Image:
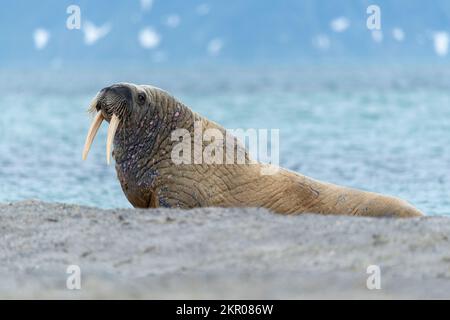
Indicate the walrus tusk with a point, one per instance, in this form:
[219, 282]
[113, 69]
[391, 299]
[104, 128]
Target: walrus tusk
[92, 133]
[113, 124]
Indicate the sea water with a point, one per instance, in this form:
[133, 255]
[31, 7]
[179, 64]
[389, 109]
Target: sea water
[380, 129]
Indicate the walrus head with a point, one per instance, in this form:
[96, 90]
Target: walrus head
[141, 119]
[119, 104]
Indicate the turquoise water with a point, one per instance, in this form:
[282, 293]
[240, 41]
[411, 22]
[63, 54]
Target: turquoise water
[381, 130]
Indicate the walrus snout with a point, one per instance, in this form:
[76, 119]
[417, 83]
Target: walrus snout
[116, 99]
[112, 104]
[121, 90]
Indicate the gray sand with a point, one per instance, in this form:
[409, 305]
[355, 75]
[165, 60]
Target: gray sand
[217, 253]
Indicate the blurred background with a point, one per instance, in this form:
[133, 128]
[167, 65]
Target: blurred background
[180, 33]
[365, 108]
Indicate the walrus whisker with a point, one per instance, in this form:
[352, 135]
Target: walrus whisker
[92, 109]
[113, 124]
[92, 133]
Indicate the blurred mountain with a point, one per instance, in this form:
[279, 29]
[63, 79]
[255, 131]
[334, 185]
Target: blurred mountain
[203, 32]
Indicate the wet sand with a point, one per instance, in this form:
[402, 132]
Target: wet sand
[217, 253]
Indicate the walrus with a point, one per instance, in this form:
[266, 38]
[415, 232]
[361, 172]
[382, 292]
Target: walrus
[142, 119]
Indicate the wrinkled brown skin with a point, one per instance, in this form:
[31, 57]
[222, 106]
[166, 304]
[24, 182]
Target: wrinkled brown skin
[149, 178]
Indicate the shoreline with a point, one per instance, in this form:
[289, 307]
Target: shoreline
[216, 253]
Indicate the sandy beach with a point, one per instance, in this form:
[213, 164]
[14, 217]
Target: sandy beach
[217, 253]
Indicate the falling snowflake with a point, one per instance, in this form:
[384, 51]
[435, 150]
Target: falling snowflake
[398, 34]
[146, 5]
[377, 36]
[441, 40]
[41, 38]
[173, 21]
[321, 42]
[149, 38]
[215, 46]
[92, 33]
[340, 24]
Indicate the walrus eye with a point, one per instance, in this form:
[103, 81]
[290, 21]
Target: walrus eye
[141, 98]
